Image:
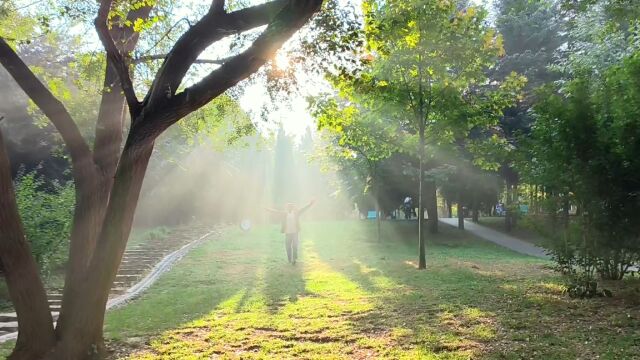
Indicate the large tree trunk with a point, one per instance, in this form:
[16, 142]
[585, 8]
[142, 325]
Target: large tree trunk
[82, 334]
[93, 194]
[35, 325]
[422, 258]
[432, 208]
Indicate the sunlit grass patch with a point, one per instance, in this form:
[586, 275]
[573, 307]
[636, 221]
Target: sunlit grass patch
[353, 297]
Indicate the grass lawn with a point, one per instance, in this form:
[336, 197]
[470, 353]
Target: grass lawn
[352, 297]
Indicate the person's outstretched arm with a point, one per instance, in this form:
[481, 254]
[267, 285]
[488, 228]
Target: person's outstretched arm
[306, 207]
[275, 211]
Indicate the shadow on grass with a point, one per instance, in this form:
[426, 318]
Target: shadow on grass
[232, 266]
[284, 282]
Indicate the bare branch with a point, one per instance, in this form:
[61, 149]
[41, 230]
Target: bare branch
[147, 58]
[48, 104]
[211, 28]
[117, 58]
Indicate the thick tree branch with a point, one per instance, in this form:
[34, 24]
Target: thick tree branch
[290, 19]
[48, 104]
[217, 6]
[211, 28]
[109, 126]
[118, 58]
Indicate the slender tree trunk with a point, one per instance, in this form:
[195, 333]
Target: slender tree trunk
[35, 325]
[554, 210]
[508, 210]
[460, 214]
[565, 210]
[534, 201]
[422, 258]
[378, 221]
[82, 335]
[516, 206]
[475, 215]
[432, 209]
[378, 212]
[449, 208]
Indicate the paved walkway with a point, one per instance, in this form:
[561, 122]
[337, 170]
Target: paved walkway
[499, 238]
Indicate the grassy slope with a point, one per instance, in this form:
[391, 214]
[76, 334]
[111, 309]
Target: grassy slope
[351, 297]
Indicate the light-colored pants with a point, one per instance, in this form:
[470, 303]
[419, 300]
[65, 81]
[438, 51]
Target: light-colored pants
[291, 242]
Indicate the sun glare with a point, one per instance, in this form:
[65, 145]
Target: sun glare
[281, 60]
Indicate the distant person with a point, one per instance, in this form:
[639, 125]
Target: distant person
[407, 207]
[290, 218]
[500, 209]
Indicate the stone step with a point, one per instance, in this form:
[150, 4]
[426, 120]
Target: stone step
[144, 251]
[132, 271]
[56, 296]
[137, 260]
[6, 317]
[9, 326]
[118, 290]
[53, 307]
[145, 255]
[55, 301]
[128, 277]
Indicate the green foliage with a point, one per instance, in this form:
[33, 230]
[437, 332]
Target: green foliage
[14, 28]
[584, 286]
[221, 123]
[418, 77]
[584, 148]
[46, 215]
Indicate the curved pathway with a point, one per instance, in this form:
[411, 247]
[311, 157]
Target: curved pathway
[499, 238]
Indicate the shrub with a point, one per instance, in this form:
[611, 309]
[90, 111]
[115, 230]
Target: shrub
[47, 213]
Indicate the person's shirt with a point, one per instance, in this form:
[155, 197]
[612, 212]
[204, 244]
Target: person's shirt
[291, 223]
